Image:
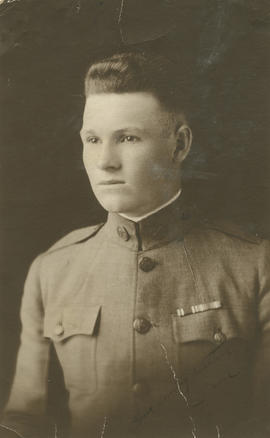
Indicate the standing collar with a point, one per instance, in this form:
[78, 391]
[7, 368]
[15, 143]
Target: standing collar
[140, 218]
[158, 229]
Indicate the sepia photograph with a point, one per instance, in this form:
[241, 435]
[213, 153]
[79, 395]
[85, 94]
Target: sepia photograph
[135, 219]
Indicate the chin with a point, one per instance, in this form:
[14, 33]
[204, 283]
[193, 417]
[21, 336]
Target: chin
[113, 205]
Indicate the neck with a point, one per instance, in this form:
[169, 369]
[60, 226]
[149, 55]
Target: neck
[160, 228]
[160, 207]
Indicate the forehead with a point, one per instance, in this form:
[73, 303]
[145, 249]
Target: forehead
[113, 109]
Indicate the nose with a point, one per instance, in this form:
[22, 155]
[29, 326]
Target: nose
[108, 158]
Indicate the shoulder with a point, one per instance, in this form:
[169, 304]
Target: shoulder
[71, 247]
[226, 239]
[232, 231]
[54, 263]
[68, 242]
[196, 220]
[75, 237]
[219, 245]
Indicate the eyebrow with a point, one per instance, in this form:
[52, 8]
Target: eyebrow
[118, 131]
[87, 131]
[130, 128]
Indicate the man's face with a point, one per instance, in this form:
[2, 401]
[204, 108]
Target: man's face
[128, 148]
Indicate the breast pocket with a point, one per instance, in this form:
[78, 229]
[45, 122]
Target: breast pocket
[213, 326]
[211, 348]
[74, 332]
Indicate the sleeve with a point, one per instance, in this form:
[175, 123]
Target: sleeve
[259, 424]
[262, 359]
[25, 413]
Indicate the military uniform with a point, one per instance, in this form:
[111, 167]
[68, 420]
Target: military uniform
[161, 329]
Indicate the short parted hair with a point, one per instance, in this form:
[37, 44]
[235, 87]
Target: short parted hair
[141, 71]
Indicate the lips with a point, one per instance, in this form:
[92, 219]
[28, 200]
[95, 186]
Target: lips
[111, 182]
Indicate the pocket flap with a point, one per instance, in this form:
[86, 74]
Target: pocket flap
[60, 324]
[214, 326]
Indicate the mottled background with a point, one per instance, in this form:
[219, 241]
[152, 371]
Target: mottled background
[45, 47]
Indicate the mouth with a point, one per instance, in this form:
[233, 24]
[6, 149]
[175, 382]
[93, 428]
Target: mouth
[110, 182]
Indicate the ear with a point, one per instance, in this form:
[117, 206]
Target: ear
[183, 136]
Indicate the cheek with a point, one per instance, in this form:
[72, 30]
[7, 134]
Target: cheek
[154, 167]
[146, 174]
[88, 159]
[85, 155]
[138, 169]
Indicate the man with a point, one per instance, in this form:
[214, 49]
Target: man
[159, 323]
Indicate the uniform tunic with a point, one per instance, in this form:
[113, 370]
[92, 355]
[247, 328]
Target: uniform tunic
[160, 329]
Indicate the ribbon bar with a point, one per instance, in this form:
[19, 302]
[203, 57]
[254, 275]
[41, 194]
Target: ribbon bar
[200, 308]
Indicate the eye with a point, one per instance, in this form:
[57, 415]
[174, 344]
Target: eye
[129, 139]
[91, 139]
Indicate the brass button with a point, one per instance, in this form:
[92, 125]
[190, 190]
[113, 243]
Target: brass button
[123, 233]
[219, 337]
[146, 264]
[59, 329]
[141, 325]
